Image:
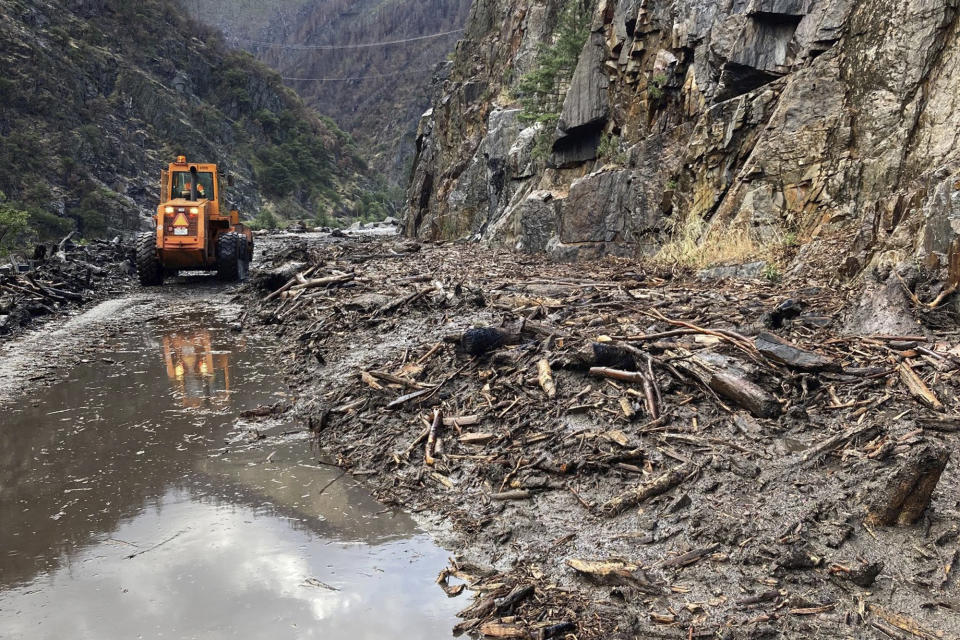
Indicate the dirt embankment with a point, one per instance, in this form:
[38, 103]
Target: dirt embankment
[620, 454]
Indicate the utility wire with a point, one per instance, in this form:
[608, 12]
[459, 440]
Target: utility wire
[381, 75]
[338, 47]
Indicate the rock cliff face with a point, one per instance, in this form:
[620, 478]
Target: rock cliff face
[96, 96]
[826, 125]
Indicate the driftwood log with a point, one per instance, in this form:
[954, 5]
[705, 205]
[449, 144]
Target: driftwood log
[645, 491]
[724, 378]
[777, 349]
[902, 497]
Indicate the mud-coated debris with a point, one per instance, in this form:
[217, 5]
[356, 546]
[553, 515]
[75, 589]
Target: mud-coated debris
[366, 302]
[612, 356]
[635, 427]
[270, 280]
[760, 598]
[639, 494]
[814, 321]
[866, 574]
[690, 557]
[477, 342]
[798, 557]
[726, 378]
[948, 536]
[519, 594]
[555, 630]
[785, 311]
[609, 572]
[71, 277]
[901, 494]
[276, 409]
[681, 503]
[781, 351]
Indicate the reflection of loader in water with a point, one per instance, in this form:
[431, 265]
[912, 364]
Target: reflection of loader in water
[201, 375]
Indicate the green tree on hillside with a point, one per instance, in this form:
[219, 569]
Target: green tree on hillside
[542, 90]
[13, 222]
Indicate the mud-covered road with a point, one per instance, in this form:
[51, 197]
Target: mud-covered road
[608, 451]
[143, 494]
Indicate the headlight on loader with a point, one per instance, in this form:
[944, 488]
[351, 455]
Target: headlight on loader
[194, 211]
[168, 210]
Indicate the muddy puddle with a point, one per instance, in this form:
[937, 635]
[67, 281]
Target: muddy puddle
[132, 506]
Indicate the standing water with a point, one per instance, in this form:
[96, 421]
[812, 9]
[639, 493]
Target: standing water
[124, 515]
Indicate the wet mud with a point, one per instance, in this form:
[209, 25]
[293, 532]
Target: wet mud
[136, 500]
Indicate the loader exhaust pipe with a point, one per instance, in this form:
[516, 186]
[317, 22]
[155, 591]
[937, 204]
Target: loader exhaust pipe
[194, 196]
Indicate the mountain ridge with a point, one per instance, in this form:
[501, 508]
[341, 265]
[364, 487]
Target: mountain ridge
[100, 94]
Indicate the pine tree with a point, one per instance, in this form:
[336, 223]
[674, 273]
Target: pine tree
[541, 92]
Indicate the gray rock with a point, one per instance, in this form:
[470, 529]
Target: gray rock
[780, 7]
[748, 271]
[538, 221]
[751, 113]
[883, 309]
[587, 104]
[502, 131]
[598, 208]
[520, 162]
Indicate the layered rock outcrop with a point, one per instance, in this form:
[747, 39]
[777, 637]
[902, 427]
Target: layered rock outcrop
[830, 122]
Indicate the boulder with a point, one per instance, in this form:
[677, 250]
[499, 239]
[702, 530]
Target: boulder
[520, 161]
[537, 221]
[598, 209]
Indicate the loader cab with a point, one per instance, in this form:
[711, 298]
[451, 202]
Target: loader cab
[194, 186]
[192, 182]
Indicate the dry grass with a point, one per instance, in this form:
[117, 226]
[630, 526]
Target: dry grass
[692, 246]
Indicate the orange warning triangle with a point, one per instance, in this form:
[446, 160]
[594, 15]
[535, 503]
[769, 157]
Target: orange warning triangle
[180, 221]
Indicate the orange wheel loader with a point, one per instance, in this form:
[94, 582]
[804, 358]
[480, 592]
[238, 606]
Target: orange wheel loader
[192, 233]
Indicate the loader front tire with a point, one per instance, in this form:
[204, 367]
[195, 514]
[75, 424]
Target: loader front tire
[149, 269]
[228, 257]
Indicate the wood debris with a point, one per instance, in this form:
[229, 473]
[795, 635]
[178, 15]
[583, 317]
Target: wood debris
[684, 431]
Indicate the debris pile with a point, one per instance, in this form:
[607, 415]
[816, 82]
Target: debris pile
[619, 452]
[71, 276]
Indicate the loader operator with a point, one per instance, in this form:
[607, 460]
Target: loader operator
[184, 187]
[185, 191]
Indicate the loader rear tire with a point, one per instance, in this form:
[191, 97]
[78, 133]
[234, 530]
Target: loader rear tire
[228, 257]
[149, 269]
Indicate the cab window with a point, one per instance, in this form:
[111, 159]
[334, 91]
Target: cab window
[183, 182]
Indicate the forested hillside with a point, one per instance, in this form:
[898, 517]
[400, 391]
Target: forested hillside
[97, 95]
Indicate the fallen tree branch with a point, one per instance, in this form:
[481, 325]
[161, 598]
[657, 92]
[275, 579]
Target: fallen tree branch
[644, 492]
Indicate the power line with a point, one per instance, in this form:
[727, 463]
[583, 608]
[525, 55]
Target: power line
[381, 75]
[338, 47]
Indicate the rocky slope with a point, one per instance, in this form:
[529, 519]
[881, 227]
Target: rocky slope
[381, 111]
[816, 132]
[98, 95]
